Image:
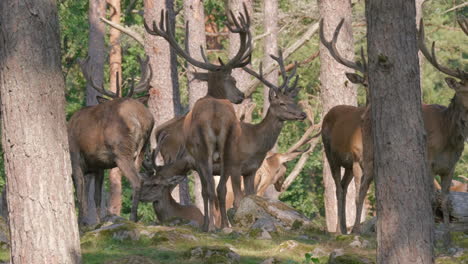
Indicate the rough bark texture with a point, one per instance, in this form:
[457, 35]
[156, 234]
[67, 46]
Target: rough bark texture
[195, 16]
[96, 52]
[164, 100]
[336, 90]
[240, 75]
[419, 14]
[42, 216]
[403, 186]
[270, 24]
[115, 66]
[97, 9]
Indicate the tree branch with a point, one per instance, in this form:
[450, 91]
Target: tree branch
[136, 36]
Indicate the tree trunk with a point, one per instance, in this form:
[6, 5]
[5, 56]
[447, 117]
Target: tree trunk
[336, 90]
[42, 218]
[403, 185]
[164, 100]
[195, 16]
[270, 24]
[115, 67]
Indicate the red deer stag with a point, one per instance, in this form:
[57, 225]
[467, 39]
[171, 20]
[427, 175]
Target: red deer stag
[207, 126]
[110, 134]
[343, 128]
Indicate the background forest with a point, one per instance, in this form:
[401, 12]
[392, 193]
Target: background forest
[295, 17]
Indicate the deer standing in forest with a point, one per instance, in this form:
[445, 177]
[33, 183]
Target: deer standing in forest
[110, 134]
[207, 126]
[346, 128]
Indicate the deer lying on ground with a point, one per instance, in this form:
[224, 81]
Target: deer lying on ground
[206, 128]
[110, 134]
[343, 130]
[158, 185]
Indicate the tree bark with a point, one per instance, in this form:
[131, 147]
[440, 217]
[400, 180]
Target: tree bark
[403, 185]
[195, 16]
[270, 24]
[115, 67]
[336, 90]
[42, 218]
[164, 100]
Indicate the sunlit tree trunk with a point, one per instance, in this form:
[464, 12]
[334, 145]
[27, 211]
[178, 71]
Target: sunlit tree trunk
[270, 42]
[42, 220]
[115, 66]
[336, 90]
[403, 186]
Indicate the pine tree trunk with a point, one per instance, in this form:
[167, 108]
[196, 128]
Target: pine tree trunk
[42, 216]
[403, 185]
[164, 100]
[195, 15]
[270, 24]
[115, 66]
[336, 90]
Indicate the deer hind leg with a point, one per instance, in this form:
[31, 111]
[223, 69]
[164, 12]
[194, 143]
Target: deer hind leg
[336, 173]
[98, 180]
[348, 176]
[446, 180]
[249, 184]
[128, 168]
[366, 180]
[80, 188]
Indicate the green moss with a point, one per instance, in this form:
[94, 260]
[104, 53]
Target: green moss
[297, 224]
[254, 233]
[351, 259]
[344, 238]
[158, 239]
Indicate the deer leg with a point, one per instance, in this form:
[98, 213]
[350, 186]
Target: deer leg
[98, 180]
[249, 184]
[336, 173]
[236, 185]
[446, 180]
[206, 220]
[348, 176]
[221, 190]
[366, 180]
[130, 172]
[79, 182]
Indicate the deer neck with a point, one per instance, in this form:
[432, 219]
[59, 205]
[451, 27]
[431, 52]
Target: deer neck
[267, 131]
[215, 90]
[457, 115]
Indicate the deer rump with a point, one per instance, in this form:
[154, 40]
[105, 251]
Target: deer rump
[104, 136]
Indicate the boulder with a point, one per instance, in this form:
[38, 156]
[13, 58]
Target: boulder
[340, 258]
[266, 213]
[213, 255]
[271, 261]
[131, 260]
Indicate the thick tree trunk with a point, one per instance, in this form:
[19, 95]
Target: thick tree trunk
[96, 52]
[164, 100]
[115, 66]
[403, 185]
[270, 42]
[195, 16]
[42, 216]
[336, 90]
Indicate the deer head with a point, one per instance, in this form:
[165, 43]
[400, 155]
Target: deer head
[221, 84]
[142, 86]
[282, 103]
[460, 87]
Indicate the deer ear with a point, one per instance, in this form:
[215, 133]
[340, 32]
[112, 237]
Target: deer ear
[143, 99]
[355, 78]
[272, 94]
[101, 99]
[202, 76]
[452, 83]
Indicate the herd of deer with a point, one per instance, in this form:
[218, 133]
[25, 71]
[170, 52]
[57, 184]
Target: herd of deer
[211, 140]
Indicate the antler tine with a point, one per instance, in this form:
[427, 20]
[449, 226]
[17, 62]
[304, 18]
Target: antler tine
[146, 76]
[165, 31]
[431, 57]
[463, 22]
[331, 46]
[84, 64]
[286, 78]
[161, 138]
[260, 77]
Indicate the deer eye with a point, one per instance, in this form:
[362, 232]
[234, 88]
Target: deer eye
[282, 104]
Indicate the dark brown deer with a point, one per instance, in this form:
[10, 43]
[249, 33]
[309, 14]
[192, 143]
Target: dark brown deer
[110, 134]
[207, 126]
[344, 126]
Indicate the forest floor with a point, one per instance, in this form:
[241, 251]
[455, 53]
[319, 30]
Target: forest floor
[126, 242]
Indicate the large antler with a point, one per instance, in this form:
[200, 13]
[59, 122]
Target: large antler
[241, 26]
[285, 87]
[431, 57]
[142, 86]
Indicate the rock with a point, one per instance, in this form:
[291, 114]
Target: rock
[368, 227]
[270, 261]
[340, 258]
[319, 252]
[358, 242]
[131, 260]
[214, 255]
[271, 211]
[265, 235]
[287, 245]
[227, 230]
[267, 224]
